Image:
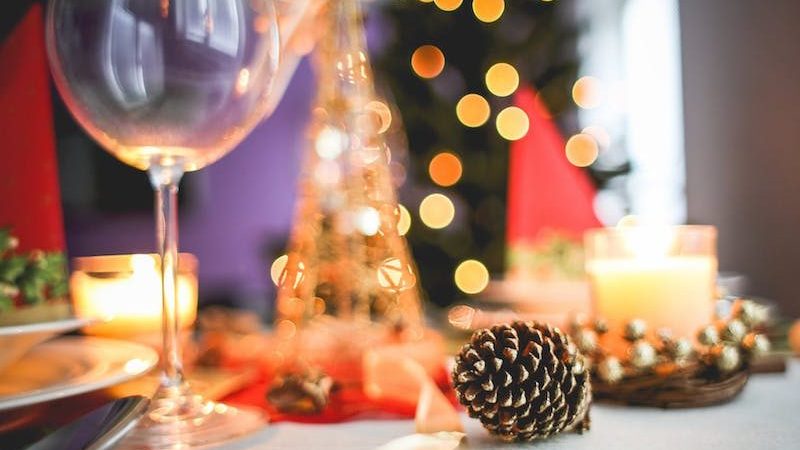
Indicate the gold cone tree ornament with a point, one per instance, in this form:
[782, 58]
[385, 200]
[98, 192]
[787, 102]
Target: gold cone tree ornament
[348, 267]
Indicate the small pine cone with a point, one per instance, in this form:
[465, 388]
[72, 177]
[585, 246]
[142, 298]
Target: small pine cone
[523, 381]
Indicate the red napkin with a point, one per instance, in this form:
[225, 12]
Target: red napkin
[545, 192]
[347, 403]
[29, 194]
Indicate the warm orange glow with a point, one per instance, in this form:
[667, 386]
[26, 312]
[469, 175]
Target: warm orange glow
[581, 150]
[404, 224]
[448, 5]
[473, 110]
[427, 61]
[488, 10]
[436, 211]
[471, 276]
[445, 169]
[587, 92]
[129, 294]
[512, 123]
[502, 79]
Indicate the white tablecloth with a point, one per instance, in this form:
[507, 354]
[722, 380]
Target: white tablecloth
[765, 416]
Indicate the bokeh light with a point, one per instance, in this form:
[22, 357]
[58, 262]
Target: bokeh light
[330, 142]
[512, 123]
[631, 220]
[396, 275]
[404, 224]
[382, 113]
[277, 269]
[581, 150]
[368, 221]
[473, 110]
[599, 134]
[281, 272]
[427, 61]
[488, 10]
[445, 169]
[448, 5]
[436, 211]
[587, 92]
[502, 79]
[285, 329]
[471, 276]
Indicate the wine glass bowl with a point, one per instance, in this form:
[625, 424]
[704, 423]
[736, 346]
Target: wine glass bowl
[176, 82]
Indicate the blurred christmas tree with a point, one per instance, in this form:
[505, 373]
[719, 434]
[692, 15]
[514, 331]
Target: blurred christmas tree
[437, 55]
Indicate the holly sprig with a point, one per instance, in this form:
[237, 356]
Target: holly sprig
[29, 278]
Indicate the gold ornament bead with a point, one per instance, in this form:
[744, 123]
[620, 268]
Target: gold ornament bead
[635, 330]
[734, 331]
[586, 340]
[726, 357]
[577, 323]
[681, 349]
[610, 370]
[755, 344]
[708, 335]
[642, 355]
[600, 326]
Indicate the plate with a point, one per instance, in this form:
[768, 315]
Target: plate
[16, 340]
[72, 365]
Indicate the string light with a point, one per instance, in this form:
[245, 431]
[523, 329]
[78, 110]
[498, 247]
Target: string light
[471, 276]
[436, 211]
[404, 224]
[502, 79]
[277, 268]
[473, 110]
[488, 10]
[445, 169]
[447, 5]
[581, 150]
[512, 123]
[587, 92]
[427, 61]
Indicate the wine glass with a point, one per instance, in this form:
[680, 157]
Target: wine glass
[168, 87]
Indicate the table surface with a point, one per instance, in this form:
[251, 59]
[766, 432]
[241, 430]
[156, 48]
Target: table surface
[765, 416]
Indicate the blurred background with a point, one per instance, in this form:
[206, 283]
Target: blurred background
[676, 111]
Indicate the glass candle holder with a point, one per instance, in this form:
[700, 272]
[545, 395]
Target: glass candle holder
[125, 291]
[665, 276]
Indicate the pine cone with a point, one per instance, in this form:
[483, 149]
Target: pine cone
[524, 381]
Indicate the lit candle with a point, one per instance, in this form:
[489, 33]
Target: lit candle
[664, 276]
[126, 291]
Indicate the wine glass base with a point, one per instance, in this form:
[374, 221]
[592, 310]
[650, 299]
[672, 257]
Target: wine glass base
[179, 419]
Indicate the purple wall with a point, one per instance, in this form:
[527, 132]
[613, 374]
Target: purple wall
[243, 206]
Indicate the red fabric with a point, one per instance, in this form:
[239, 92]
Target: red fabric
[347, 403]
[29, 194]
[545, 192]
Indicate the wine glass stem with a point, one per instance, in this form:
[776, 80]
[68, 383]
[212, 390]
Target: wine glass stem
[164, 180]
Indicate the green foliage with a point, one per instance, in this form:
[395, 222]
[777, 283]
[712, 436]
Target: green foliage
[536, 39]
[30, 278]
